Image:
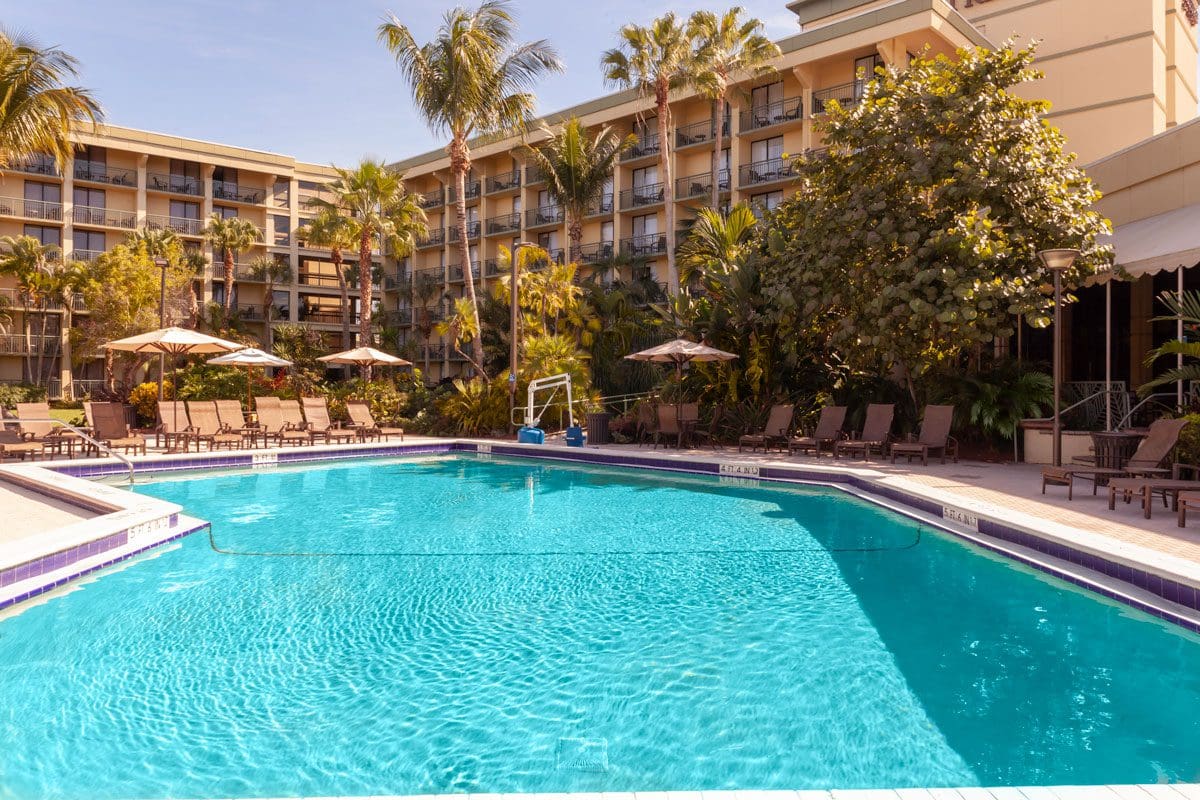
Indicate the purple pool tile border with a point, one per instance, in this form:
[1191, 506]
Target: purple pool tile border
[1150, 582]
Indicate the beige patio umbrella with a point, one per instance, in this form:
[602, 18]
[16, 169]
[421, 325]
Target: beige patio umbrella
[248, 358]
[365, 357]
[680, 352]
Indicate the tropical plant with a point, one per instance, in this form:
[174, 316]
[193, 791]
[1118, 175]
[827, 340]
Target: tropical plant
[991, 403]
[64, 282]
[379, 212]
[37, 109]
[333, 229]
[144, 399]
[727, 48]
[656, 60]
[577, 168]
[471, 80]
[1183, 308]
[28, 261]
[271, 270]
[230, 236]
[714, 244]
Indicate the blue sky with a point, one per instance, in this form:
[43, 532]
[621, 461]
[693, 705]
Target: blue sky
[305, 79]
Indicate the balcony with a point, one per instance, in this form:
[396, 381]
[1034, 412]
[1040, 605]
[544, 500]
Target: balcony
[789, 109]
[456, 272]
[641, 196]
[504, 182]
[84, 255]
[97, 172]
[699, 186]
[647, 145]
[325, 316]
[847, 94]
[30, 209]
[504, 223]
[103, 217]
[554, 255]
[184, 226]
[35, 165]
[602, 207]
[395, 281]
[491, 268]
[544, 216]
[320, 279]
[648, 244]
[472, 191]
[473, 227]
[432, 199]
[434, 237]
[534, 175]
[595, 252]
[699, 133]
[15, 344]
[232, 192]
[175, 184]
[773, 170]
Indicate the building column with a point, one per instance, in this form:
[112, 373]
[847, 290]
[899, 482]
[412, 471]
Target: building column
[808, 80]
[206, 210]
[293, 210]
[140, 203]
[68, 207]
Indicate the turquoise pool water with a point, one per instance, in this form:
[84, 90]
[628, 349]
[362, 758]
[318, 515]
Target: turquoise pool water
[466, 625]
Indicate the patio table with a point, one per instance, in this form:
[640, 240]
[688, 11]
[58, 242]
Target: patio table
[1113, 449]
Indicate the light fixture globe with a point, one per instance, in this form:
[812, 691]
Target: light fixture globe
[1058, 259]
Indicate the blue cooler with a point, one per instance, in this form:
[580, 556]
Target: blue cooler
[574, 436]
[529, 435]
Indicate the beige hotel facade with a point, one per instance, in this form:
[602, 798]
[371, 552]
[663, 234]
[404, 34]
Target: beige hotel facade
[1117, 72]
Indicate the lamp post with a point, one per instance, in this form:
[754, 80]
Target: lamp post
[162, 264]
[514, 305]
[1058, 261]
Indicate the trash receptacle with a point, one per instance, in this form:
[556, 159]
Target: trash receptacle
[597, 428]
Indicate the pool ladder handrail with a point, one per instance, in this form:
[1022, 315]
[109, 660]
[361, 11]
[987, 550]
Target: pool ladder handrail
[100, 446]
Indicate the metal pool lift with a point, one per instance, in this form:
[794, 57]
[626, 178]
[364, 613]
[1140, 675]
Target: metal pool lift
[530, 433]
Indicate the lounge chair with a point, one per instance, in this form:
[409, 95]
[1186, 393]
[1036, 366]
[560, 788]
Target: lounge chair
[647, 423]
[361, 419]
[207, 426]
[316, 419]
[1184, 501]
[233, 420]
[113, 430]
[875, 435]
[174, 426]
[828, 431]
[711, 434]
[775, 432]
[934, 438]
[273, 424]
[1147, 461]
[36, 427]
[1146, 488]
[13, 446]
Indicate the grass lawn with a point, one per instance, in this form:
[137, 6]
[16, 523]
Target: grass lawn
[72, 415]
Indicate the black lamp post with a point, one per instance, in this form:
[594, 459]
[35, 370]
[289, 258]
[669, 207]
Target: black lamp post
[1058, 261]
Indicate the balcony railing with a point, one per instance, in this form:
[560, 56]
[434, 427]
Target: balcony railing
[504, 181]
[472, 191]
[846, 94]
[788, 109]
[648, 195]
[228, 190]
[491, 268]
[434, 237]
[16, 344]
[692, 186]
[184, 226]
[648, 244]
[97, 172]
[456, 272]
[543, 216]
[594, 252]
[177, 184]
[84, 255]
[325, 316]
[601, 207]
[647, 145]
[35, 165]
[317, 279]
[770, 171]
[432, 199]
[104, 217]
[534, 175]
[504, 223]
[18, 299]
[31, 209]
[473, 228]
[253, 312]
[394, 281]
[699, 133]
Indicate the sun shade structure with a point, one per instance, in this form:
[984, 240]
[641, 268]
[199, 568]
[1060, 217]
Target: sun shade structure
[679, 352]
[365, 357]
[248, 358]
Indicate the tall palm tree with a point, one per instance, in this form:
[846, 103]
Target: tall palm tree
[65, 281]
[727, 47]
[577, 168]
[656, 60]
[230, 236]
[271, 271]
[333, 229]
[37, 109]
[27, 260]
[380, 212]
[470, 80]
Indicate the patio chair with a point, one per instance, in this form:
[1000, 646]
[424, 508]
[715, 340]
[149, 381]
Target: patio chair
[667, 424]
[364, 422]
[174, 426]
[775, 432]
[207, 426]
[712, 433]
[1169, 489]
[113, 430]
[934, 438]
[12, 445]
[275, 426]
[316, 419]
[233, 420]
[36, 427]
[647, 423]
[828, 431]
[876, 433]
[1147, 461]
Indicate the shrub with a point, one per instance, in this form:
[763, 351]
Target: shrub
[144, 399]
[13, 393]
[1188, 451]
[477, 407]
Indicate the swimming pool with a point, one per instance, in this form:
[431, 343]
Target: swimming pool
[463, 624]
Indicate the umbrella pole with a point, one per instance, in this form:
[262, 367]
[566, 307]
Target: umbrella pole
[679, 404]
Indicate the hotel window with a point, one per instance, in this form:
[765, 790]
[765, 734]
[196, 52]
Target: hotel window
[185, 169]
[43, 192]
[864, 70]
[766, 149]
[225, 212]
[548, 241]
[90, 240]
[218, 292]
[182, 209]
[544, 200]
[92, 153]
[767, 201]
[766, 95]
[92, 198]
[44, 234]
[517, 204]
[282, 190]
[645, 225]
[606, 231]
[282, 228]
[646, 188]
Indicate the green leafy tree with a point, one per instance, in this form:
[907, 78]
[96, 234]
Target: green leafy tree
[335, 230]
[271, 271]
[230, 236]
[64, 282]
[472, 79]
[728, 48]
[915, 236]
[577, 168]
[28, 262]
[656, 60]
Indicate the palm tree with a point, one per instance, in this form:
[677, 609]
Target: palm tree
[270, 270]
[333, 229]
[28, 261]
[378, 210]
[37, 111]
[656, 60]
[230, 236]
[470, 80]
[577, 168]
[727, 46]
[715, 241]
[64, 281]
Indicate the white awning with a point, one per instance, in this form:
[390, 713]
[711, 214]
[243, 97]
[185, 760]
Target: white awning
[1162, 242]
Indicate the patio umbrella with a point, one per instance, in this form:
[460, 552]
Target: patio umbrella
[365, 357]
[250, 357]
[679, 352]
[176, 342]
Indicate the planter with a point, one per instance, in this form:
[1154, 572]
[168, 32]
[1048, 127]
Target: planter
[1039, 443]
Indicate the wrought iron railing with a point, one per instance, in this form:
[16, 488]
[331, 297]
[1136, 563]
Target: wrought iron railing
[648, 244]
[98, 172]
[771, 170]
[504, 181]
[504, 223]
[788, 109]
[176, 184]
[543, 216]
[639, 196]
[700, 185]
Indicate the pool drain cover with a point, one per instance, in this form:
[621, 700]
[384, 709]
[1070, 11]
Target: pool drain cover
[583, 755]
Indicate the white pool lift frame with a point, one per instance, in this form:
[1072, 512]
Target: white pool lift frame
[553, 384]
